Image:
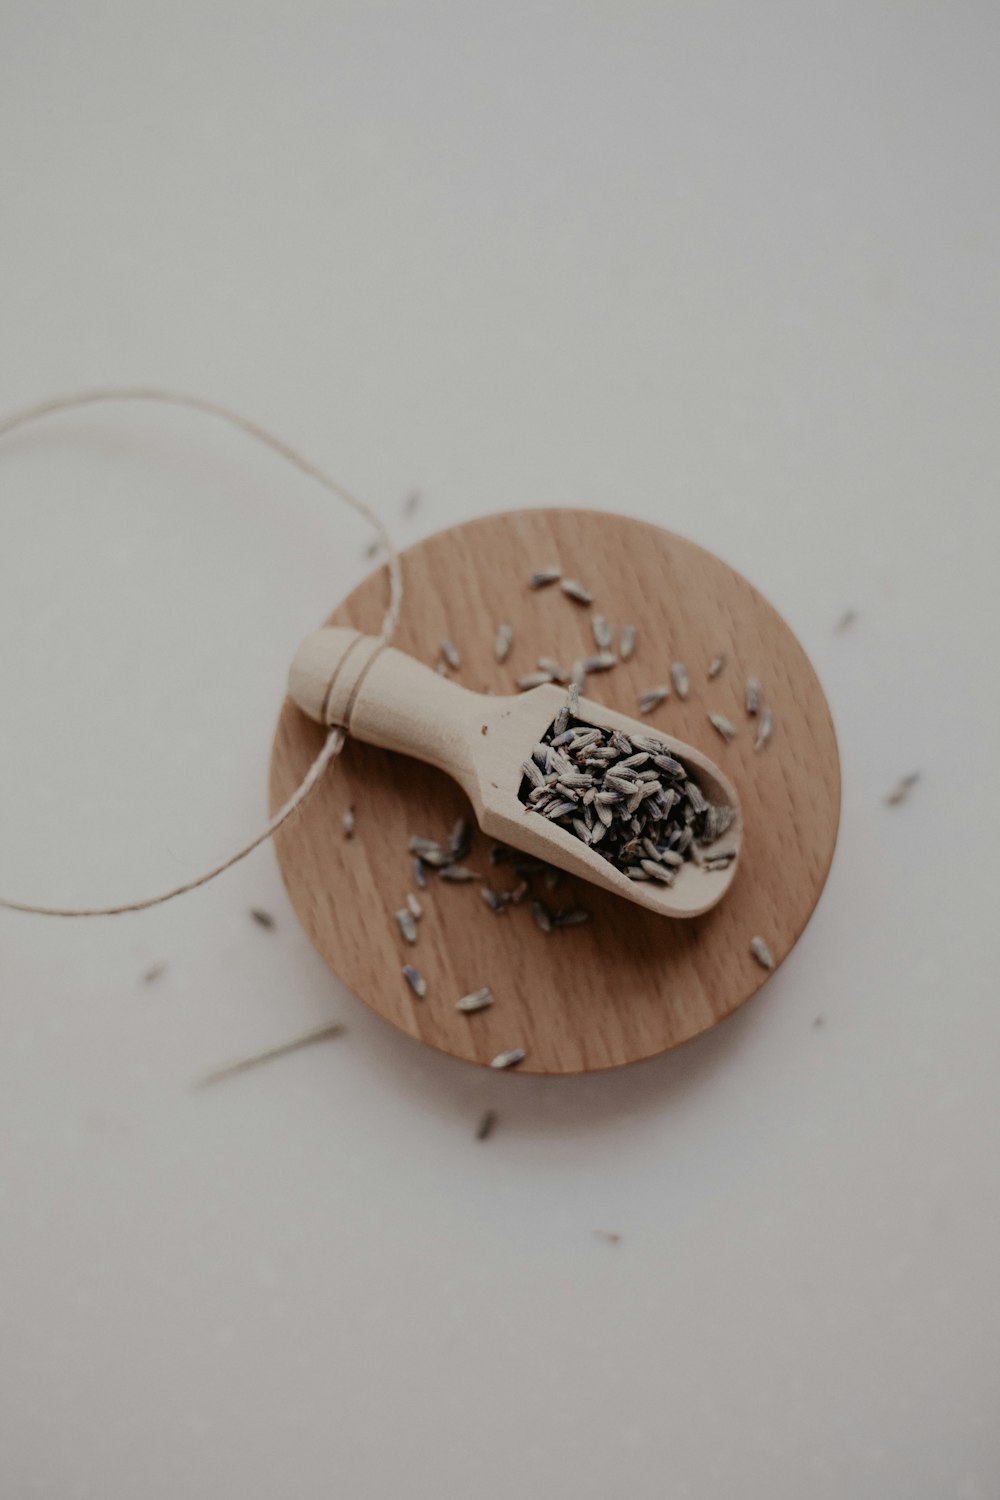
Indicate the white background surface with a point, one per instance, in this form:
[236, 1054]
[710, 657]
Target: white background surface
[728, 267]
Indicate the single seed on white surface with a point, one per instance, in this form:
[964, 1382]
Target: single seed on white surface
[902, 789]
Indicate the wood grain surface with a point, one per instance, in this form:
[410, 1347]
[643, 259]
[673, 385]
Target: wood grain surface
[629, 984]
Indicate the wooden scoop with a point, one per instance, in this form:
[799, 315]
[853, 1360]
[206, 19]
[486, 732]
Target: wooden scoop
[391, 700]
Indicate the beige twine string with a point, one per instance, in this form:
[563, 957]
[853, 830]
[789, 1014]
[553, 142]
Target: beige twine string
[335, 740]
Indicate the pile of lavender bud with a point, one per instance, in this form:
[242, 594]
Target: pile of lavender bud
[626, 797]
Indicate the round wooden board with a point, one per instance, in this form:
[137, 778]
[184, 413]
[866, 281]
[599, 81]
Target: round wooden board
[630, 984]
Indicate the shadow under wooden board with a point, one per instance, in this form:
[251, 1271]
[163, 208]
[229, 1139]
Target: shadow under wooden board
[629, 984]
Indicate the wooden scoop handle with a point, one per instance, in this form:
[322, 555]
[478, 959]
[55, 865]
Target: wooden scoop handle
[480, 740]
[386, 698]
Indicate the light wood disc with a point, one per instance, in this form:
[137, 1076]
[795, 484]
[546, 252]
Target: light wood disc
[630, 984]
